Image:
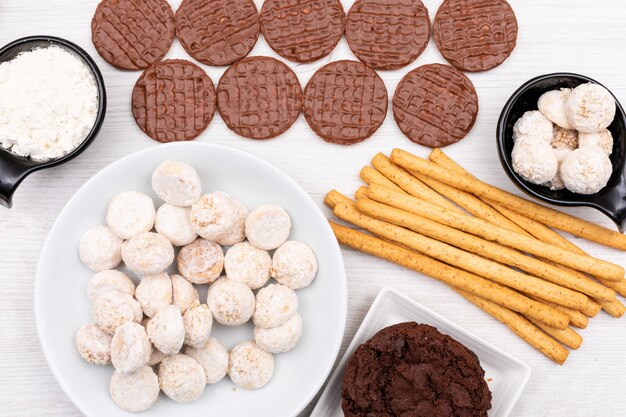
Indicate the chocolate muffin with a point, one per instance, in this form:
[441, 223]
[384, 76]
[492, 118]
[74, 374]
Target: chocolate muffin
[411, 369]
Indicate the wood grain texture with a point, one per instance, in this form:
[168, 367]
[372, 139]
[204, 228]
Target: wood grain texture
[555, 35]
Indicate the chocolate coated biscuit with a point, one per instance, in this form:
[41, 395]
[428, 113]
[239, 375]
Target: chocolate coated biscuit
[173, 100]
[345, 102]
[302, 30]
[387, 34]
[259, 97]
[475, 35]
[217, 32]
[435, 105]
[132, 34]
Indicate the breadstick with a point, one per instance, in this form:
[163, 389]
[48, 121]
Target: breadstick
[334, 197]
[576, 318]
[361, 192]
[370, 176]
[448, 274]
[591, 309]
[498, 234]
[568, 337]
[409, 183]
[525, 283]
[537, 212]
[522, 327]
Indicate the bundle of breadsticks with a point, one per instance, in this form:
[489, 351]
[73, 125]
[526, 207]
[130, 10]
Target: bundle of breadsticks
[497, 250]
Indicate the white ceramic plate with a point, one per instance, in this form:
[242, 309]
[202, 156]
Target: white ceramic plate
[62, 306]
[506, 376]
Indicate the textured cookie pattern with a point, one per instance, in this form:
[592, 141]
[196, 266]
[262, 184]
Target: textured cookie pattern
[217, 32]
[173, 100]
[435, 105]
[132, 34]
[302, 30]
[345, 102]
[387, 34]
[259, 97]
[475, 35]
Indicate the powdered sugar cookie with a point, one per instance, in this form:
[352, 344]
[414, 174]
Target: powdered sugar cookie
[534, 161]
[94, 344]
[275, 305]
[148, 254]
[231, 302]
[294, 265]
[154, 292]
[590, 108]
[181, 378]
[177, 183]
[174, 223]
[268, 227]
[201, 261]
[109, 280]
[100, 249]
[237, 232]
[184, 295]
[248, 264]
[250, 366]
[602, 139]
[198, 322]
[279, 339]
[135, 392]
[166, 330]
[535, 124]
[564, 139]
[114, 308]
[130, 347]
[586, 170]
[213, 358]
[130, 213]
[214, 215]
[552, 105]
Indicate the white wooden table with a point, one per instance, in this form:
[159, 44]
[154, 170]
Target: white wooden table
[555, 35]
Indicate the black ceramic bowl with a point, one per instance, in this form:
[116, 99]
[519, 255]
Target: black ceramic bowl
[611, 200]
[13, 168]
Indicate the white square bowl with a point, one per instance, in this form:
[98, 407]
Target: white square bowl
[505, 375]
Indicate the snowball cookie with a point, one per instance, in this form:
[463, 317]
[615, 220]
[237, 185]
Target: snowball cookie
[166, 330]
[586, 170]
[100, 249]
[268, 227]
[174, 223]
[130, 213]
[552, 106]
[237, 233]
[534, 161]
[245, 263]
[114, 308]
[154, 292]
[213, 358]
[176, 183]
[201, 261]
[590, 108]
[94, 344]
[564, 139]
[198, 321]
[181, 378]
[279, 339]
[110, 280]
[602, 139]
[214, 215]
[250, 366]
[275, 305]
[294, 265]
[135, 392]
[130, 347]
[533, 123]
[148, 254]
[184, 295]
[231, 302]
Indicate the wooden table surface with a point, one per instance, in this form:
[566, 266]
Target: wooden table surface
[555, 35]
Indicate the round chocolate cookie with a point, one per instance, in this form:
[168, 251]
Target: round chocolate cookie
[132, 34]
[435, 105]
[475, 35]
[217, 32]
[302, 30]
[259, 97]
[345, 102]
[411, 369]
[387, 34]
[173, 100]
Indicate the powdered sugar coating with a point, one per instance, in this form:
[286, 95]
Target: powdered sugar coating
[279, 339]
[201, 261]
[237, 232]
[248, 264]
[100, 249]
[109, 280]
[181, 378]
[564, 139]
[590, 108]
[213, 215]
[166, 330]
[534, 161]
[268, 226]
[602, 139]
[250, 366]
[130, 347]
[130, 213]
[184, 295]
[213, 358]
[552, 105]
[135, 392]
[231, 302]
[174, 223]
[154, 292]
[114, 308]
[533, 123]
[177, 183]
[275, 305]
[586, 170]
[148, 254]
[557, 182]
[198, 322]
[94, 344]
[294, 265]
[156, 357]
